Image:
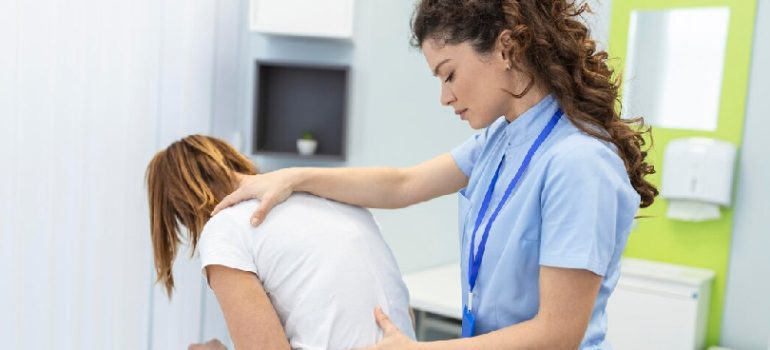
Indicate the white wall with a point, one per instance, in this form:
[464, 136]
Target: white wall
[89, 91]
[746, 320]
[599, 21]
[186, 84]
[399, 121]
[78, 125]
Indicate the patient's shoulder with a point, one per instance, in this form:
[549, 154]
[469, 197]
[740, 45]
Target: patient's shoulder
[229, 222]
[234, 215]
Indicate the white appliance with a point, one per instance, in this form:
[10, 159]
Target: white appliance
[659, 306]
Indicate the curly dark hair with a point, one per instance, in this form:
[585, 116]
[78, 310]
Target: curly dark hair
[550, 42]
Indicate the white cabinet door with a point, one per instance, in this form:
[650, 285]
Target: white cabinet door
[312, 18]
[642, 319]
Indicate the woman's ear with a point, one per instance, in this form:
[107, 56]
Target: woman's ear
[503, 46]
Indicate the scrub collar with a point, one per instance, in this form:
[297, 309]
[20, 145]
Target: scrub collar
[531, 122]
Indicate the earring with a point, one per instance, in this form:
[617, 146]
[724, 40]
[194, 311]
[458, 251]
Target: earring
[508, 64]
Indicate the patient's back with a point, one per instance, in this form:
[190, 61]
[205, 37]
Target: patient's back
[324, 265]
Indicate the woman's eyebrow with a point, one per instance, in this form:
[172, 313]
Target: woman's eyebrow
[435, 70]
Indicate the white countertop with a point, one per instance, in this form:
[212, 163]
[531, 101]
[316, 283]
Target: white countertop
[436, 290]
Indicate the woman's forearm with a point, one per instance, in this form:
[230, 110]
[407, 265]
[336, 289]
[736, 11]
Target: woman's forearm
[532, 334]
[567, 299]
[382, 187]
[375, 187]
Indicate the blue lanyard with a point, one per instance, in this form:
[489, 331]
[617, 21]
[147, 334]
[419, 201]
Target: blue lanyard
[475, 262]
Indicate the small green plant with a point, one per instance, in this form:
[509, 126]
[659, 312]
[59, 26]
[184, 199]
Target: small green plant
[307, 135]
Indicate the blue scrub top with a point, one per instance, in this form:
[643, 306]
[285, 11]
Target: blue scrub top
[573, 208]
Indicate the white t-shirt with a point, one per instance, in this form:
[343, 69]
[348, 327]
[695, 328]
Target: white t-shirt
[323, 264]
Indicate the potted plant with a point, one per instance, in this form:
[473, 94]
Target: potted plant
[307, 144]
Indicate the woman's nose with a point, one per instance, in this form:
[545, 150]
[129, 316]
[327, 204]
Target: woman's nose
[447, 97]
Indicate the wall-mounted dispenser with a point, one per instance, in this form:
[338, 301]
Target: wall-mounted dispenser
[697, 178]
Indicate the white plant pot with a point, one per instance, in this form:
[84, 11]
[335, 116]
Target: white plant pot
[306, 147]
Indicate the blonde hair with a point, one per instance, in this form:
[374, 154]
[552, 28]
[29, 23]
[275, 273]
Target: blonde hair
[184, 183]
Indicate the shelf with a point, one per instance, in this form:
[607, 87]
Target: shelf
[295, 155]
[291, 99]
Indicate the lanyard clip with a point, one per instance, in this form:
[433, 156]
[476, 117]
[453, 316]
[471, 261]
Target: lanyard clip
[470, 301]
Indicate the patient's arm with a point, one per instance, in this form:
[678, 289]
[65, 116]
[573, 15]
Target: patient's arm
[251, 319]
[213, 344]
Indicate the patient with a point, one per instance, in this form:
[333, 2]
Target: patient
[307, 278]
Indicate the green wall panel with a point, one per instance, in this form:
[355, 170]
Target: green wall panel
[704, 244]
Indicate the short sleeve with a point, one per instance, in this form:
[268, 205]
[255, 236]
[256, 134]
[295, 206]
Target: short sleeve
[467, 153]
[586, 201]
[223, 243]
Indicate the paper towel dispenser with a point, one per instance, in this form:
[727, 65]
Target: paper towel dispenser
[698, 177]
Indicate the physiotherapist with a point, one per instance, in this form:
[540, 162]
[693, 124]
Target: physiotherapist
[548, 189]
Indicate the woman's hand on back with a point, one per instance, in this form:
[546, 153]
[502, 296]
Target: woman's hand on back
[392, 338]
[270, 188]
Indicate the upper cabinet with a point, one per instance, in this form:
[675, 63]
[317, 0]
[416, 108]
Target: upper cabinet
[307, 18]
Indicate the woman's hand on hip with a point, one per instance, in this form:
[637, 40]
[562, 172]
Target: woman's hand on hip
[270, 188]
[392, 336]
